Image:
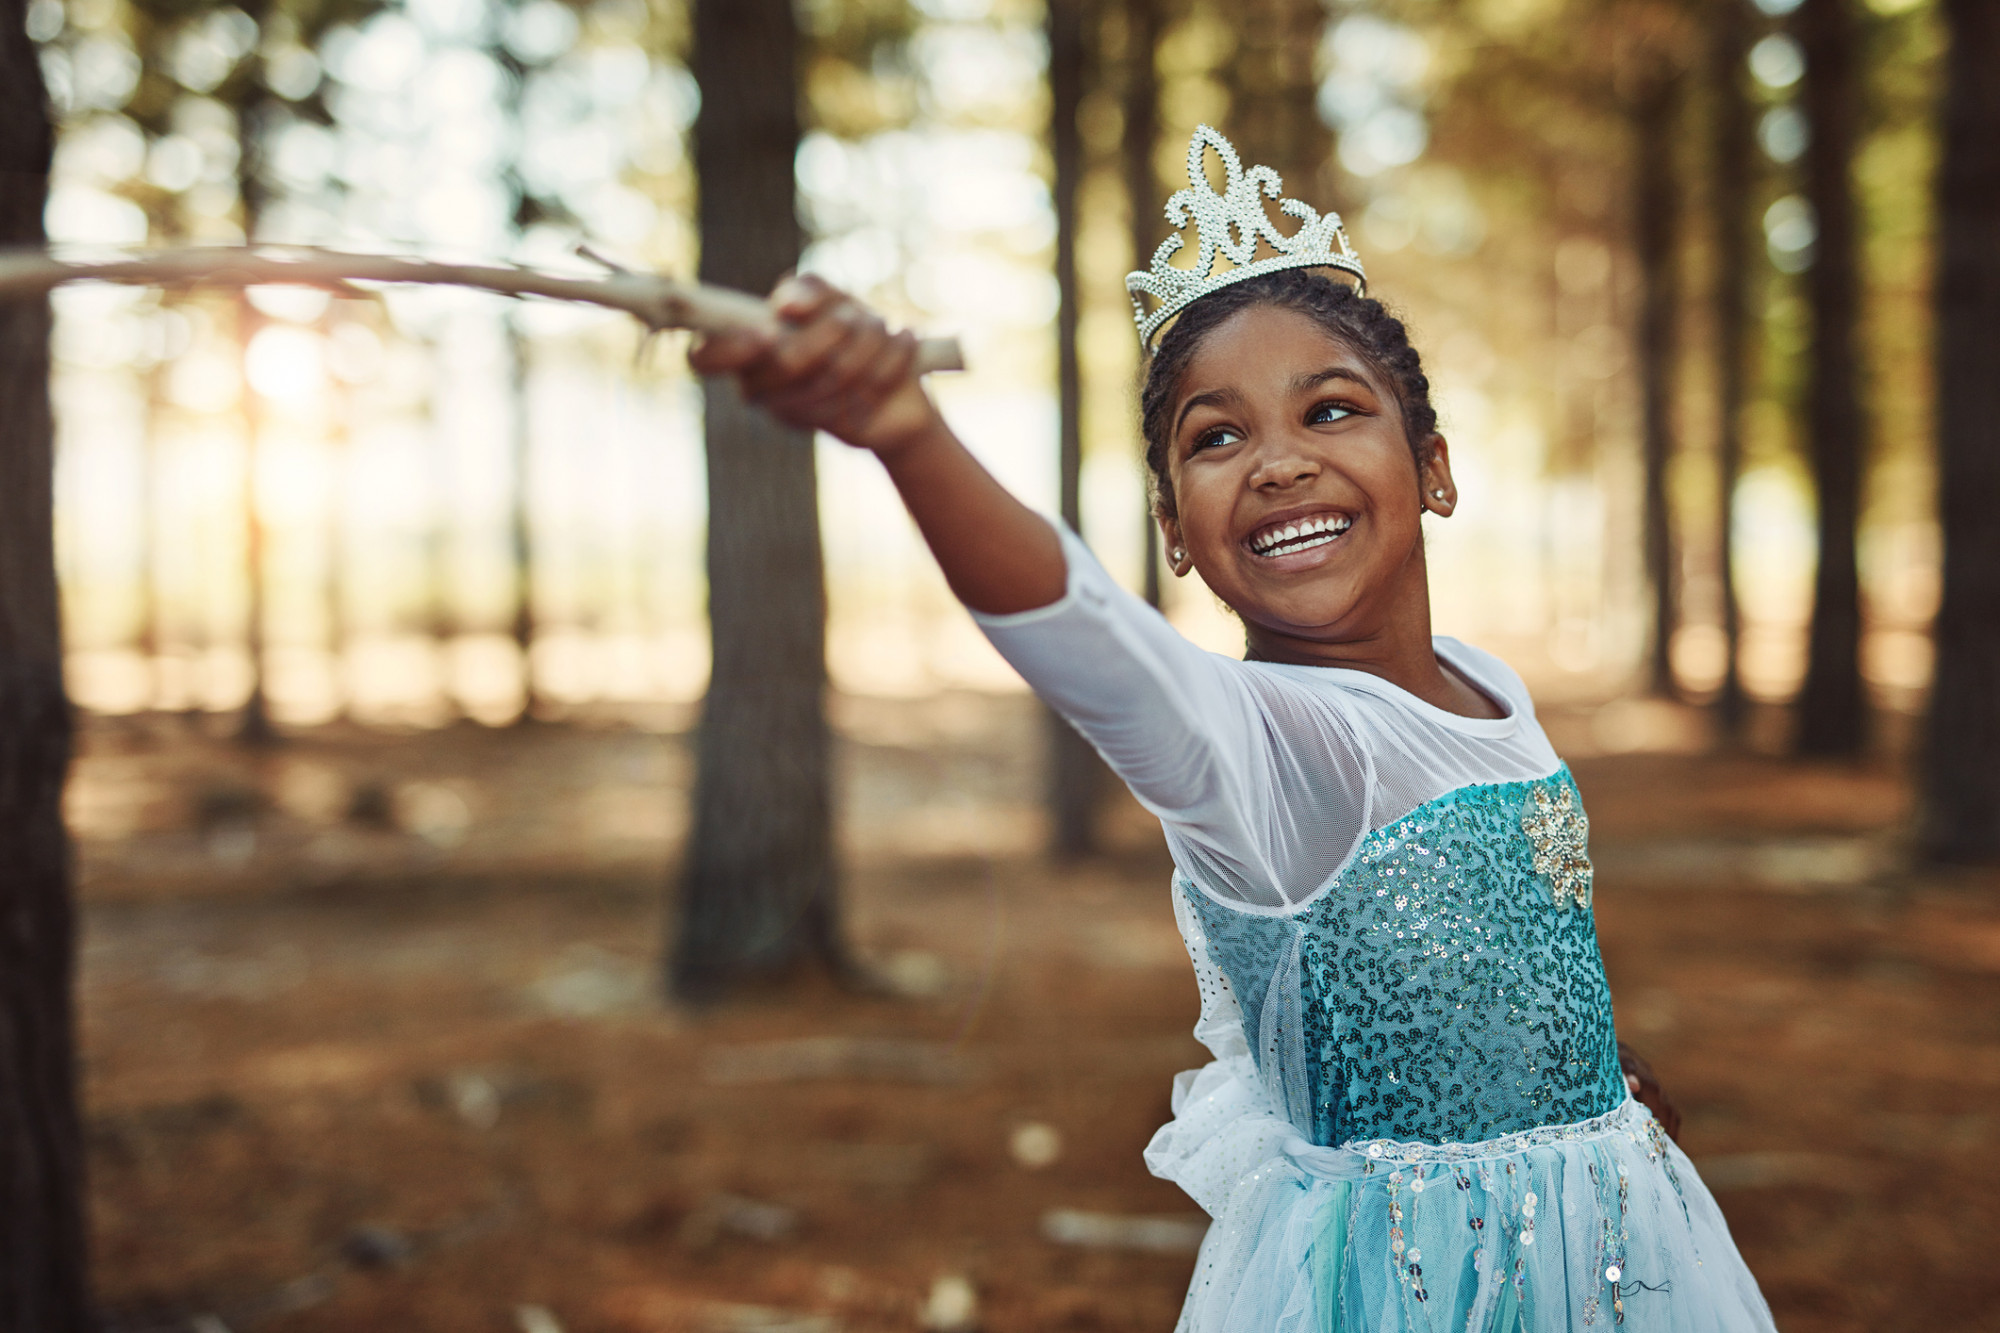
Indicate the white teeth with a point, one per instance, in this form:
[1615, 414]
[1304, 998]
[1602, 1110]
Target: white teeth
[1302, 536]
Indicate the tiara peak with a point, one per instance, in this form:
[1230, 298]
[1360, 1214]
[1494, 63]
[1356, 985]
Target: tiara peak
[1229, 225]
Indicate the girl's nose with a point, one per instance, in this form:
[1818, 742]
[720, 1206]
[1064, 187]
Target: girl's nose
[1281, 467]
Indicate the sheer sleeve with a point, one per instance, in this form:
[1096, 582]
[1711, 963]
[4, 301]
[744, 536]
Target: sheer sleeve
[1260, 784]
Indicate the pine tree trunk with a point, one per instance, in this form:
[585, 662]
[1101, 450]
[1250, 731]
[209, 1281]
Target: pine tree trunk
[520, 441]
[43, 1282]
[1731, 165]
[1654, 200]
[1141, 105]
[1273, 111]
[758, 891]
[254, 728]
[1075, 774]
[1961, 775]
[1832, 706]
[520, 517]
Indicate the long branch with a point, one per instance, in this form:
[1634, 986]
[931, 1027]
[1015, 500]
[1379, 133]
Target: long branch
[655, 301]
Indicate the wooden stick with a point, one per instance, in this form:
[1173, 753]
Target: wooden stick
[655, 301]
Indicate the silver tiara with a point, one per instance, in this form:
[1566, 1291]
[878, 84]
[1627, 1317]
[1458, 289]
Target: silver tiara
[1230, 224]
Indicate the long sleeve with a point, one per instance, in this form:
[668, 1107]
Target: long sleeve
[1259, 782]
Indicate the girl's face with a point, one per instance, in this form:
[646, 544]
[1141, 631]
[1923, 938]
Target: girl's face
[1297, 496]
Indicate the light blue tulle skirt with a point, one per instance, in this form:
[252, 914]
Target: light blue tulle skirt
[1601, 1224]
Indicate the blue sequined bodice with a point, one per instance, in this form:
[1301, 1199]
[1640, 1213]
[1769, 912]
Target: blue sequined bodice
[1447, 986]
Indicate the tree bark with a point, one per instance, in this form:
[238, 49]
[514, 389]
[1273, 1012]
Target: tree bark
[1075, 773]
[1731, 165]
[43, 1271]
[1655, 199]
[758, 890]
[1144, 199]
[254, 728]
[1273, 111]
[1961, 772]
[520, 517]
[520, 443]
[1832, 706]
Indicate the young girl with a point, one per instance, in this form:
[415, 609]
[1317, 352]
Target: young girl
[1415, 1118]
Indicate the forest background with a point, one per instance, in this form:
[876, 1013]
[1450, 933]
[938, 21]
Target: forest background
[355, 587]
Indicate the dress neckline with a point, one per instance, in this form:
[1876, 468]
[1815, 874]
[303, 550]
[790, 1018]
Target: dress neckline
[1453, 655]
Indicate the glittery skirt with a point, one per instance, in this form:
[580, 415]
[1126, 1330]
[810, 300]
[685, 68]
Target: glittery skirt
[1598, 1224]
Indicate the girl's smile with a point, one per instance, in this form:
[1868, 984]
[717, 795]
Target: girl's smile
[1295, 534]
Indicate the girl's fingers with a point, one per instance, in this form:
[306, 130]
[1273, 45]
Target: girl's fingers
[891, 366]
[727, 353]
[847, 365]
[799, 297]
[797, 301]
[799, 355]
[896, 362]
[831, 365]
[870, 402]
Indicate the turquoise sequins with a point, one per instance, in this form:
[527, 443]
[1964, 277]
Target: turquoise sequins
[1449, 987]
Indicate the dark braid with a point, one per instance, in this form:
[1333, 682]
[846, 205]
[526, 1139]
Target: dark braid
[1361, 322]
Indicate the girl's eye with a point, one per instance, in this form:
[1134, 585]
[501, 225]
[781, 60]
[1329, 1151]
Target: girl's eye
[1221, 435]
[1325, 413]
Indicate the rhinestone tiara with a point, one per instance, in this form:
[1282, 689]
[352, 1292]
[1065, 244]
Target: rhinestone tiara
[1229, 225]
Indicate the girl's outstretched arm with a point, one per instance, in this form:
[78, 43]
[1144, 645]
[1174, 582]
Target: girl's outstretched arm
[834, 366]
[1186, 729]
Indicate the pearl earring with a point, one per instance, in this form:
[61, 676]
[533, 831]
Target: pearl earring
[1437, 495]
[1177, 555]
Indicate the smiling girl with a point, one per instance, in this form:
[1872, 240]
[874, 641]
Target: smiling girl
[1415, 1118]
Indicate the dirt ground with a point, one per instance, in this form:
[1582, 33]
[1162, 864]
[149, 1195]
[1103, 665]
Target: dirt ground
[372, 1039]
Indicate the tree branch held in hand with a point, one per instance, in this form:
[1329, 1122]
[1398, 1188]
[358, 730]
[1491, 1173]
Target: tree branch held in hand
[657, 302]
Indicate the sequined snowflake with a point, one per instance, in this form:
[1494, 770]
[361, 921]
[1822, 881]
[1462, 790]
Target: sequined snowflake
[1555, 823]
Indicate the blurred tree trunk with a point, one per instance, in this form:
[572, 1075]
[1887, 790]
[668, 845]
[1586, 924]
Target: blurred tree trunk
[758, 890]
[1961, 776]
[43, 1276]
[520, 518]
[1273, 106]
[255, 726]
[1144, 201]
[1075, 774]
[1655, 198]
[1832, 705]
[1732, 162]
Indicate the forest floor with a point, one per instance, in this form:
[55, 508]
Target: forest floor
[372, 1039]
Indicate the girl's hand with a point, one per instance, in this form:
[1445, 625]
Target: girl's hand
[832, 365]
[1645, 1086]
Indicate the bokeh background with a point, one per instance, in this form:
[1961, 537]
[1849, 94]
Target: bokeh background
[387, 619]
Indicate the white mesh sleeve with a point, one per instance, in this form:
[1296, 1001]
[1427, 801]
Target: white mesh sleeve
[1257, 778]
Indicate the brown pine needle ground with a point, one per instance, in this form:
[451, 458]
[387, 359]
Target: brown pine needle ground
[372, 1039]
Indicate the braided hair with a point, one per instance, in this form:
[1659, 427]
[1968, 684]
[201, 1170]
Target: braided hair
[1360, 322]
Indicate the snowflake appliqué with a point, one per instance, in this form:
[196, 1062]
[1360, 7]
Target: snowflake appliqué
[1555, 823]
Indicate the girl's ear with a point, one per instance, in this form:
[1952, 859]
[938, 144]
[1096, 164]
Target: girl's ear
[1178, 558]
[1440, 493]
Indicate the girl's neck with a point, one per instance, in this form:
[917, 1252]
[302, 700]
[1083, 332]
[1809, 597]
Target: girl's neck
[1401, 654]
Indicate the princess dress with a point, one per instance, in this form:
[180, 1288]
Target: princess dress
[1415, 1119]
